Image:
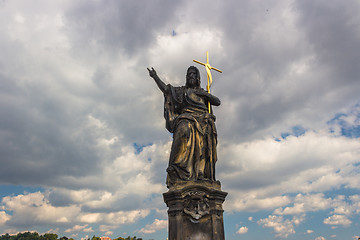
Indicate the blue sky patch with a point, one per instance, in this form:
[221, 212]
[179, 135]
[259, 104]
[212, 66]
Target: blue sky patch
[296, 131]
[14, 190]
[349, 123]
[140, 147]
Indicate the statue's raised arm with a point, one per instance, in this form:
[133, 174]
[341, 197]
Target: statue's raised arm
[158, 81]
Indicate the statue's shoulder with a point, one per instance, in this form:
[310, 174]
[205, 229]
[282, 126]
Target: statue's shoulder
[175, 91]
[179, 88]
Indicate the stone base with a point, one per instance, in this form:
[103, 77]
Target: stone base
[195, 211]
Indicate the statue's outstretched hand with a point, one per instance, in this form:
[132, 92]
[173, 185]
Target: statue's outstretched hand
[158, 81]
[152, 72]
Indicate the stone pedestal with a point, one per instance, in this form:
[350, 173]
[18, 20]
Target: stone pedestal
[195, 211]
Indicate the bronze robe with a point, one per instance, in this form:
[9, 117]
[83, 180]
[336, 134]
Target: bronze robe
[193, 151]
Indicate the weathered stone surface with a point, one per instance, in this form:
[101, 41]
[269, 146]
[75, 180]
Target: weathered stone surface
[195, 211]
[194, 198]
[188, 115]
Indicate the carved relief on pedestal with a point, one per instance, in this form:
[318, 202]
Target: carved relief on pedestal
[196, 205]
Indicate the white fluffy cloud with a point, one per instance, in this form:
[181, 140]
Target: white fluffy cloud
[303, 204]
[4, 217]
[306, 203]
[76, 228]
[337, 220]
[35, 208]
[242, 230]
[115, 218]
[282, 227]
[268, 169]
[155, 226]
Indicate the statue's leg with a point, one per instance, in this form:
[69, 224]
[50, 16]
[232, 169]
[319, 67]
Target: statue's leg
[209, 154]
[200, 154]
[182, 151]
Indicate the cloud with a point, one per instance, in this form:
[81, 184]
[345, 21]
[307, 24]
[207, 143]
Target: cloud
[56, 231]
[306, 203]
[346, 123]
[337, 220]
[311, 203]
[129, 35]
[282, 227]
[268, 170]
[4, 217]
[88, 229]
[254, 204]
[77, 228]
[76, 98]
[33, 209]
[155, 226]
[119, 217]
[325, 40]
[242, 230]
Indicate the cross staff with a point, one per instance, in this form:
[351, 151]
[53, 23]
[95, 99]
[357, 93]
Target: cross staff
[209, 77]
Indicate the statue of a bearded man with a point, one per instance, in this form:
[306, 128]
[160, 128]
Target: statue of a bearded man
[193, 151]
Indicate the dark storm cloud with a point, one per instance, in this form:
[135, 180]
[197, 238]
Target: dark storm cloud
[127, 203]
[37, 121]
[46, 135]
[119, 26]
[124, 203]
[263, 45]
[36, 146]
[333, 29]
[260, 43]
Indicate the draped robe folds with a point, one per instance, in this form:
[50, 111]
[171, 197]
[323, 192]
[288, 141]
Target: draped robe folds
[193, 151]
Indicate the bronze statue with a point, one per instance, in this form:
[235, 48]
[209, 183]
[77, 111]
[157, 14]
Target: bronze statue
[193, 151]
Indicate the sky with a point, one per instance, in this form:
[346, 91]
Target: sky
[83, 144]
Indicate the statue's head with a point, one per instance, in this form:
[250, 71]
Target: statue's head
[192, 77]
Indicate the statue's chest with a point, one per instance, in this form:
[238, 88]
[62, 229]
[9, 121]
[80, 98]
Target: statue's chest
[195, 98]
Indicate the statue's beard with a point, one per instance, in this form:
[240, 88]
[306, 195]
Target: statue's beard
[192, 82]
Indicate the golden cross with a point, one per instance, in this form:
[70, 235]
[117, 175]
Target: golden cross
[209, 77]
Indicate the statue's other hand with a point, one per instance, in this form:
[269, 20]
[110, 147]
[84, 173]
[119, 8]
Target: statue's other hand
[152, 72]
